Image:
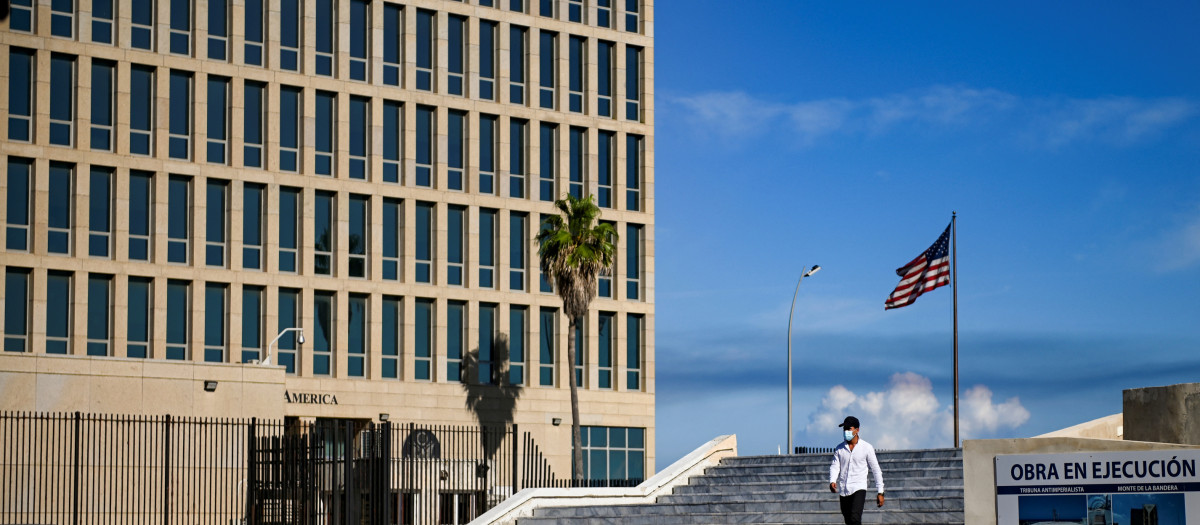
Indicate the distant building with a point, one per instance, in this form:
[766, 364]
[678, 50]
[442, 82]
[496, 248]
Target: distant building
[1147, 515]
[188, 179]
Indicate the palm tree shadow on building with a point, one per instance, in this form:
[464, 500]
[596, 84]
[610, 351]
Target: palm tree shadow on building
[490, 396]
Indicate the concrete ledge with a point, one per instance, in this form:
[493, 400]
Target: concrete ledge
[525, 502]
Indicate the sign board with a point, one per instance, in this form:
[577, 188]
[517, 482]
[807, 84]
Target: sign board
[1099, 488]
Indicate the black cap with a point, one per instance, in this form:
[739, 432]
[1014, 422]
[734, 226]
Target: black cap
[850, 422]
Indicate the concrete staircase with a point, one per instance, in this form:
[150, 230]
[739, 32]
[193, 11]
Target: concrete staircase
[923, 487]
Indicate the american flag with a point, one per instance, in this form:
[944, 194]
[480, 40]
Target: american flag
[928, 271]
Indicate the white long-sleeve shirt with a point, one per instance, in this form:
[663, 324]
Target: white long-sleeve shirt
[849, 468]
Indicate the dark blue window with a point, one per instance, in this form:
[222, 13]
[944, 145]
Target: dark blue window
[178, 312]
[215, 222]
[604, 13]
[393, 29]
[548, 155]
[516, 345]
[289, 128]
[358, 242]
[20, 94]
[323, 233]
[604, 359]
[218, 119]
[487, 248]
[392, 136]
[58, 230]
[633, 83]
[546, 8]
[16, 310]
[100, 212]
[391, 337]
[575, 75]
[141, 110]
[214, 323]
[580, 346]
[456, 150]
[631, 16]
[62, 99]
[516, 5]
[289, 317]
[253, 121]
[252, 325]
[62, 18]
[455, 339]
[455, 222]
[137, 332]
[20, 15]
[575, 10]
[547, 58]
[356, 337]
[425, 140]
[98, 318]
[289, 35]
[180, 131]
[518, 129]
[326, 130]
[424, 339]
[546, 343]
[178, 225]
[289, 229]
[606, 154]
[516, 65]
[487, 59]
[218, 29]
[425, 45]
[360, 112]
[633, 353]
[140, 196]
[487, 338]
[326, 22]
[633, 260]
[18, 204]
[252, 225]
[58, 299]
[487, 154]
[578, 143]
[544, 284]
[103, 93]
[633, 172]
[255, 32]
[518, 244]
[424, 242]
[323, 327]
[604, 78]
[360, 33]
[456, 55]
[391, 239]
[181, 27]
[141, 31]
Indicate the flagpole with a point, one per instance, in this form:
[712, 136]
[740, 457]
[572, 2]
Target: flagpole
[954, 288]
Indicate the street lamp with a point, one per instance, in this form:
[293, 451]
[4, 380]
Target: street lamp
[814, 269]
[267, 360]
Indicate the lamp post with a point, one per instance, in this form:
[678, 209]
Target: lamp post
[814, 269]
[267, 360]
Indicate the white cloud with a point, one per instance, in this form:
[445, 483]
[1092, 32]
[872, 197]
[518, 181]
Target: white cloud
[908, 415]
[1044, 121]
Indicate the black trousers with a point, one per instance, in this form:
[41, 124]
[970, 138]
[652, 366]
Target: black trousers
[852, 507]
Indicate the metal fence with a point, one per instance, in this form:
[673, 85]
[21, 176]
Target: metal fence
[85, 468]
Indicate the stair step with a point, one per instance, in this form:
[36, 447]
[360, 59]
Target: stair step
[726, 476]
[829, 504]
[781, 495]
[869, 516]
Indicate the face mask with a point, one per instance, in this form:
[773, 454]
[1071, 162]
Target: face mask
[849, 435]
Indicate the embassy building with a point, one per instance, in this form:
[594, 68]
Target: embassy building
[325, 210]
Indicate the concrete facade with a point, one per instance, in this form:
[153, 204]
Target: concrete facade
[618, 375]
[1163, 413]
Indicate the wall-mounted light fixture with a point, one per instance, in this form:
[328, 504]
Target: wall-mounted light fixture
[556, 421]
[210, 386]
[383, 417]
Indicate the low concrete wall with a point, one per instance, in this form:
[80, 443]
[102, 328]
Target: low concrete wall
[1107, 427]
[979, 474]
[1161, 413]
[524, 503]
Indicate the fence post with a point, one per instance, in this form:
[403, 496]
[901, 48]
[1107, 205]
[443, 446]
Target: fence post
[75, 484]
[515, 452]
[167, 470]
[251, 471]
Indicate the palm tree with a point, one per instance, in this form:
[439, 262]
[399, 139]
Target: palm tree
[574, 249]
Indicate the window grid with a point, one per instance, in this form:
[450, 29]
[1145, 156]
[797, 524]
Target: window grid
[16, 310]
[290, 30]
[633, 172]
[633, 352]
[356, 347]
[62, 18]
[517, 318]
[606, 158]
[324, 241]
[103, 104]
[254, 121]
[548, 165]
[218, 119]
[326, 22]
[456, 149]
[218, 29]
[633, 259]
[61, 208]
[360, 39]
[215, 338]
[487, 59]
[393, 320]
[518, 246]
[289, 128]
[179, 144]
[424, 232]
[140, 317]
[487, 248]
[100, 212]
[575, 11]
[289, 229]
[360, 238]
[324, 306]
[181, 27]
[141, 212]
[456, 59]
[632, 14]
[252, 323]
[253, 220]
[426, 138]
[426, 33]
[455, 244]
[326, 124]
[604, 13]
[178, 219]
[216, 223]
[21, 15]
[19, 204]
[633, 83]
[393, 138]
[178, 318]
[255, 34]
[423, 353]
[487, 154]
[58, 300]
[141, 116]
[21, 73]
[548, 69]
[578, 161]
[575, 82]
[392, 241]
[611, 453]
[604, 80]
[516, 64]
[456, 337]
[393, 51]
[141, 25]
[518, 140]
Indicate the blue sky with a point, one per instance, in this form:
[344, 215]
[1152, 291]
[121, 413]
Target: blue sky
[1067, 137]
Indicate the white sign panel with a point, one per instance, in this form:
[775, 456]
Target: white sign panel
[1102, 488]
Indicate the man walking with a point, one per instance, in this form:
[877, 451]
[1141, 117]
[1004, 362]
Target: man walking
[848, 472]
